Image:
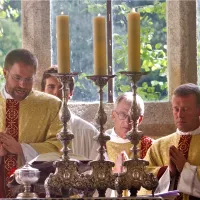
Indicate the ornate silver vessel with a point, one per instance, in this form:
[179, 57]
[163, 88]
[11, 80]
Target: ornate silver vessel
[27, 176]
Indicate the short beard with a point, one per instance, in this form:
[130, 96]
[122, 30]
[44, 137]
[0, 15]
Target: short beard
[13, 93]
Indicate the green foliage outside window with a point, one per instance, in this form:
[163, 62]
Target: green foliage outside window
[1, 77]
[153, 45]
[152, 87]
[10, 30]
[153, 51]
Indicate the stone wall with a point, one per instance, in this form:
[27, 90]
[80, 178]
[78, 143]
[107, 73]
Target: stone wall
[158, 120]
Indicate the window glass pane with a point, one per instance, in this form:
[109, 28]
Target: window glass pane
[152, 86]
[10, 30]
[153, 44]
[198, 39]
[81, 13]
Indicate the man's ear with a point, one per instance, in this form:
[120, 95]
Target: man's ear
[140, 119]
[5, 72]
[113, 115]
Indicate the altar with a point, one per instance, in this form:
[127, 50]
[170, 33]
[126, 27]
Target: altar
[107, 198]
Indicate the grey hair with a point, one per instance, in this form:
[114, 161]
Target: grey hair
[128, 97]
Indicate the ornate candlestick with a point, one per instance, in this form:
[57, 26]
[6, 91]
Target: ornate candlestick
[102, 176]
[135, 175]
[66, 175]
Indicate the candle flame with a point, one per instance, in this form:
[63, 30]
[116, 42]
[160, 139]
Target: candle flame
[99, 15]
[133, 9]
[62, 13]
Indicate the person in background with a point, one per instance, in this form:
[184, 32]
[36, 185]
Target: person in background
[84, 142]
[29, 119]
[175, 158]
[118, 147]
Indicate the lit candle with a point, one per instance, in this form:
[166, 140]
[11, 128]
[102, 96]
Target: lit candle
[99, 45]
[63, 49]
[134, 41]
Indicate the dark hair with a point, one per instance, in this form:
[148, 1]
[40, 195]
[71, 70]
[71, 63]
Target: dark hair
[188, 89]
[47, 74]
[20, 55]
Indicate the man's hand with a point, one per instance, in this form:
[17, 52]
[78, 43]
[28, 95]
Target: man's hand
[10, 144]
[172, 168]
[3, 151]
[119, 162]
[176, 158]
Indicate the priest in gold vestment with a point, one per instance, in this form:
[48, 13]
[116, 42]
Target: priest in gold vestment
[118, 147]
[175, 158]
[28, 119]
[38, 123]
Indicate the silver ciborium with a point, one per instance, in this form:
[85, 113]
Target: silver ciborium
[27, 176]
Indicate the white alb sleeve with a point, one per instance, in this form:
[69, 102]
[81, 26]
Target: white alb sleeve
[164, 182]
[189, 181]
[29, 152]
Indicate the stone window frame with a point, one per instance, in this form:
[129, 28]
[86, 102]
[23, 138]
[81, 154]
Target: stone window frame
[182, 58]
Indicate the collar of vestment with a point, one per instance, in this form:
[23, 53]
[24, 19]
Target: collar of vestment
[5, 94]
[194, 132]
[115, 138]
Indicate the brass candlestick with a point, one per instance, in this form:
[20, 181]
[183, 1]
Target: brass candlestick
[66, 175]
[102, 176]
[135, 176]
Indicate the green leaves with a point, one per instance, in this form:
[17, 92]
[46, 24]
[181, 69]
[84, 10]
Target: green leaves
[1, 78]
[153, 86]
[10, 31]
[125, 88]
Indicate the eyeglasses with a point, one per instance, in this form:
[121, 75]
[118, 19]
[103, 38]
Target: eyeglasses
[18, 78]
[122, 116]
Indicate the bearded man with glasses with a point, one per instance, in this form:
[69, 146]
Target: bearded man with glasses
[29, 119]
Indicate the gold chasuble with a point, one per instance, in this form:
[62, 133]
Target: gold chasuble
[38, 122]
[116, 145]
[158, 154]
[114, 148]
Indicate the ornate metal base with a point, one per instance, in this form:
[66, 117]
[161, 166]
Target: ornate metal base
[27, 195]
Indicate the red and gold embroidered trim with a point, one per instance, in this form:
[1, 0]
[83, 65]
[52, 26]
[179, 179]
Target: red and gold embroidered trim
[12, 120]
[146, 142]
[184, 144]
